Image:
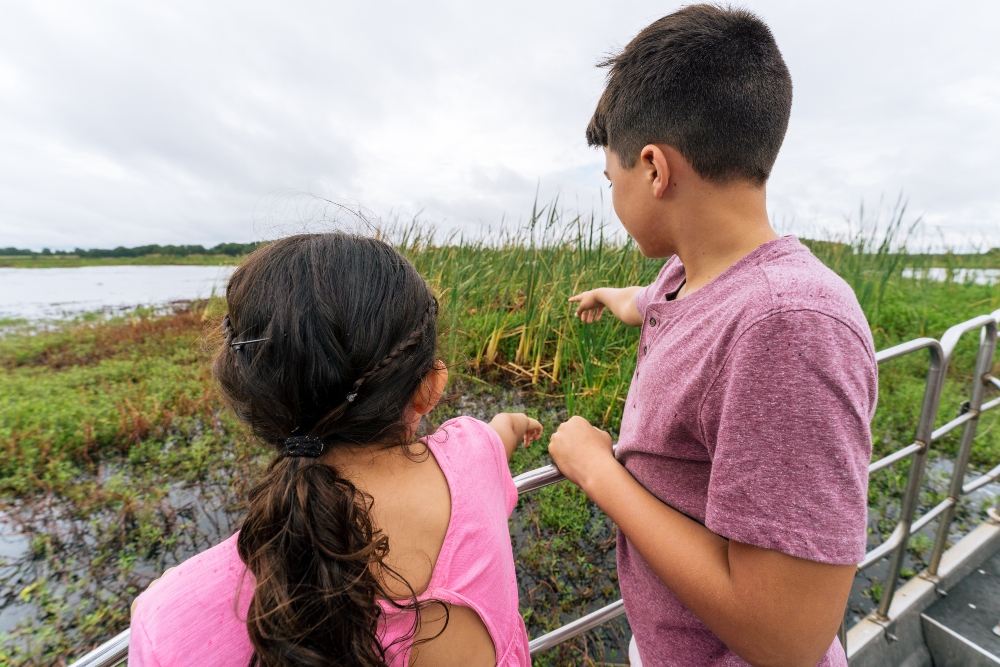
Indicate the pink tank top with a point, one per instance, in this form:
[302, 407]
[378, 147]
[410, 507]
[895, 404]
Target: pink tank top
[195, 614]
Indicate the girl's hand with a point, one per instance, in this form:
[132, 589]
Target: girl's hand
[514, 428]
[582, 452]
[590, 307]
[533, 430]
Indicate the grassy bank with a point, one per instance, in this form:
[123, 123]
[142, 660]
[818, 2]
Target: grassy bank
[120, 461]
[72, 261]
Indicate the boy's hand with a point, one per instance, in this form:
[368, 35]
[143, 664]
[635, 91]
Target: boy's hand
[590, 306]
[582, 452]
[621, 302]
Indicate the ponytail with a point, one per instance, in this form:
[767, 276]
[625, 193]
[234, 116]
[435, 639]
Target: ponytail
[309, 540]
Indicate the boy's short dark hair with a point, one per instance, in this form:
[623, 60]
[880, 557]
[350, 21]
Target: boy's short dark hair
[706, 80]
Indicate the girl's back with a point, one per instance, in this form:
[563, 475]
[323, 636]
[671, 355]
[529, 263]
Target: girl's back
[195, 614]
[360, 546]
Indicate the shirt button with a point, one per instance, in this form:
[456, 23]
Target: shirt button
[652, 321]
[644, 349]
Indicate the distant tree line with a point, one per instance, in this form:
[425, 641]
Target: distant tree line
[233, 249]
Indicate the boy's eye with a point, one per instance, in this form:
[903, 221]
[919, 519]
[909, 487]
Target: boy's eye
[609, 185]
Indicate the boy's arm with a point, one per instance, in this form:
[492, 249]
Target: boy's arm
[621, 301]
[515, 428]
[768, 607]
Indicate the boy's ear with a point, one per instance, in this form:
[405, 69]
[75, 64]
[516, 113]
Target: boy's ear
[431, 388]
[654, 163]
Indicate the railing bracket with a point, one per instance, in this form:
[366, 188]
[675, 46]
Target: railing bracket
[886, 623]
[933, 578]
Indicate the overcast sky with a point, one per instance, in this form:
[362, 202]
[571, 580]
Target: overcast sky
[124, 123]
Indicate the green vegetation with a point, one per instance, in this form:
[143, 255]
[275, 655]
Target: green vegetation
[223, 253]
[72, 261]
[231, 249]
[119, 459]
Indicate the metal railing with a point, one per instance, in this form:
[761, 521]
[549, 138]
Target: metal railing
[940, 357]
[940, 352]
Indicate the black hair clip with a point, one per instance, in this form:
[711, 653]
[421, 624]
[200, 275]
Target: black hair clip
[303, 445]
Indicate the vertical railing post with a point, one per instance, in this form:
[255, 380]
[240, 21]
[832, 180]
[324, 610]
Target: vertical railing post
[984, 361]
[925, 426]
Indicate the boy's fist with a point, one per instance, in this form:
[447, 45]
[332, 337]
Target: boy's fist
[590, 306]
[581, 451]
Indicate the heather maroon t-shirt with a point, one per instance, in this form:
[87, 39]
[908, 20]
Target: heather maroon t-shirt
[749, 412]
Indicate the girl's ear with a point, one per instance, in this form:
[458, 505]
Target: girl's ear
[429, 392]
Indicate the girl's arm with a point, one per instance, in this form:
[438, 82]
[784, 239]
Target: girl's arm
[515, 428]
[768, 607]
[621, 301]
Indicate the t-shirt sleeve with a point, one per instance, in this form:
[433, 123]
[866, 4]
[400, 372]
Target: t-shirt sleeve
[787, 422]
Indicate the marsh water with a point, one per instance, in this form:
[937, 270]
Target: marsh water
[35, 294]
[938, 274]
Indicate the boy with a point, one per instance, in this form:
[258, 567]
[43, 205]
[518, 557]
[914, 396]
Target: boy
[740, 484]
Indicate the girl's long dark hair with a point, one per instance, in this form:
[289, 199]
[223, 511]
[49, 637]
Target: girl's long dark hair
[349, 334]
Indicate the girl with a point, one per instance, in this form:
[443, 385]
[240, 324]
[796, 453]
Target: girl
[360, 547]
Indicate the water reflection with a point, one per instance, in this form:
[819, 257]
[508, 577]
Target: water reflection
[34, 294]
[940, 274]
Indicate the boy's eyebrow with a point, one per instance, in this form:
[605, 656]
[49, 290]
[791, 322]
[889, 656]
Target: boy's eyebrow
[606, 175]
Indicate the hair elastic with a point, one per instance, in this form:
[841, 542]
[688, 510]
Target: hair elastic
[303, 445]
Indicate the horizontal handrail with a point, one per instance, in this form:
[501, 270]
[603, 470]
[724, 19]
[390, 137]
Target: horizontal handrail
[110, 653]
[952, 425]
[577, 627]
[884, 549]
[899, 455]
[981, 481]
[932, 514]
[537, 478]
[896, 538]
[903, 349]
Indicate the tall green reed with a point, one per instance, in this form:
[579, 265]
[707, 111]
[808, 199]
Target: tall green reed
[506, 311]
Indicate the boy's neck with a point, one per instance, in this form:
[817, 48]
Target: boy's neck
[718, 229]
